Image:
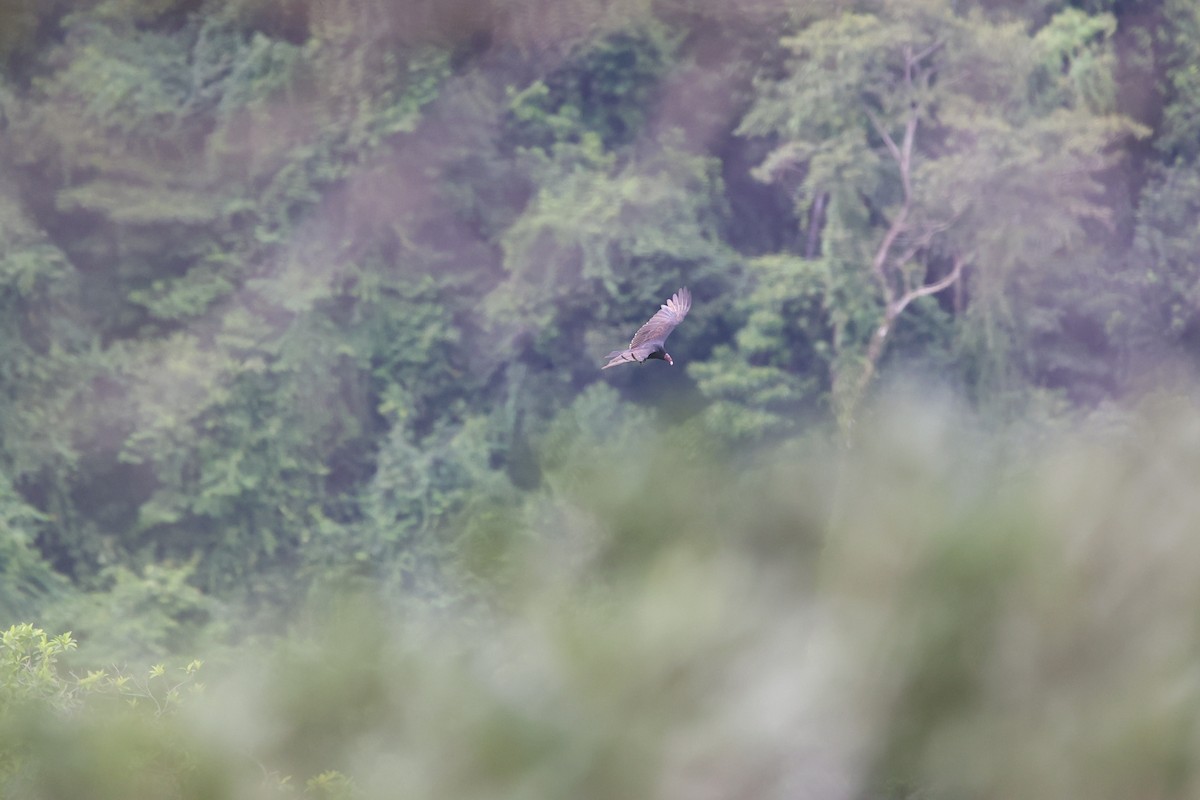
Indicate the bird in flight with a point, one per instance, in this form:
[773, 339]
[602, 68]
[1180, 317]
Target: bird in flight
[651, 338]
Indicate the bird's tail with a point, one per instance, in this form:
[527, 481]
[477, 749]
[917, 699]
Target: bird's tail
[618, 357]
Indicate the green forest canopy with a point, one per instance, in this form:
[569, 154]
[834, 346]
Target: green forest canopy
[301, 295]
[293, 286]
[290, 286]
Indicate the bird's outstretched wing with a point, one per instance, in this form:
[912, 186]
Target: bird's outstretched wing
[659, 327]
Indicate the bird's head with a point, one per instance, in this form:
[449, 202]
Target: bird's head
[667, 358]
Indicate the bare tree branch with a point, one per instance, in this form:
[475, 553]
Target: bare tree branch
[891, 312]
[910, 135]
[922, 241]
[887, 264]
[916, 58]
[929, 288]
[903, 155]
[883, 134]
[879, 263]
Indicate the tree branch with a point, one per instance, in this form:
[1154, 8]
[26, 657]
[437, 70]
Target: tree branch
[878, 264]
[883, 134]
[910, 135]
[902, 154]
[919, 243]
[927, 289]
[924, 54]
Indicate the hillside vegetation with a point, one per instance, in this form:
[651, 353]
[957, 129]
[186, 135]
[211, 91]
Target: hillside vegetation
[303, 304]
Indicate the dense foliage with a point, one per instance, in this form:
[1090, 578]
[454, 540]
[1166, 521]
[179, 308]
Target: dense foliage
[300, 297]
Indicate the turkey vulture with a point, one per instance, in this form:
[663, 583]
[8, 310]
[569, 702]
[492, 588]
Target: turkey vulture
[651, 338]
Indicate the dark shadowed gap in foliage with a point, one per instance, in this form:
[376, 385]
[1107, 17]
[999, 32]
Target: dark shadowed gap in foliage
[762, 215]
[26, 27]
[606, 88]
[163, 15]
[285, 19]
[669, 390]
[521, 463]
[1141, 72]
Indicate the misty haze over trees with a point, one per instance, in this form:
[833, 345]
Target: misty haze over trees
[305, 298]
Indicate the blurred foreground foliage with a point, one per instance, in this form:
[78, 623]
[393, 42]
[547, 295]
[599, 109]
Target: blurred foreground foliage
[940, 611]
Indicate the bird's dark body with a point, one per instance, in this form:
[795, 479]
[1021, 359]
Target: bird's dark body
[639, 355]
[650, 340]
